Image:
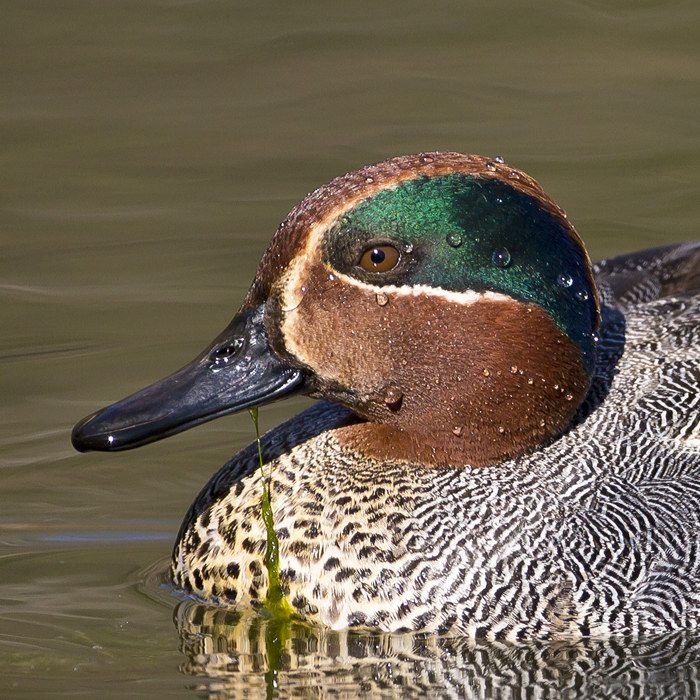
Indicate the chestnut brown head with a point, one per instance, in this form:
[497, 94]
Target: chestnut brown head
[444, 298]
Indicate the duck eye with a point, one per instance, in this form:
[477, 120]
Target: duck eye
[380, 258]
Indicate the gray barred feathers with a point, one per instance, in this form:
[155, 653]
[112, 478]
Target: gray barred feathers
[637, 278]
[594, 535]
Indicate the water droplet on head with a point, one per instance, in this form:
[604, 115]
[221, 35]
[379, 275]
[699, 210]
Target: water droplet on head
[582, 295]
[564, 280]
[530, 380]
[500, 159]
[457, 430]
[331, 277]
[392, 397]
[542, 423]
[501, 429]
[110, 439]
[487, 373]
[490, 166]
[514, 175]
[345, 220]
[426, 159]
[514, 369]
[499, 200]
[369, 178]
[596, 337]
[569, 397]
[382, 299]
[454, 240]
[501, 258]
[408, 248]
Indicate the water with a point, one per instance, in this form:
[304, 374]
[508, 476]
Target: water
[454, 240]
[501, 257]
[565, 280]
[149, 149]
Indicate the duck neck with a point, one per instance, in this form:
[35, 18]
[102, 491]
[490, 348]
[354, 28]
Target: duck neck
[470, 432]
[476, 402]
[439, 379]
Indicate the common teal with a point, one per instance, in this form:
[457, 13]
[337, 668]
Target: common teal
[508, 442]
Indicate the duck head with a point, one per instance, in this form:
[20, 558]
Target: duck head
[445, 299]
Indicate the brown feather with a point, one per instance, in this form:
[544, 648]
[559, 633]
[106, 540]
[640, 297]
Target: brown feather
[435, 374]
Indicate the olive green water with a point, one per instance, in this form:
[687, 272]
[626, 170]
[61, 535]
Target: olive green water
[147, 151]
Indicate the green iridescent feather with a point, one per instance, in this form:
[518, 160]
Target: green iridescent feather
[454, 225]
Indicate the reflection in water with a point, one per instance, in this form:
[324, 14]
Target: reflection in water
[241, 655]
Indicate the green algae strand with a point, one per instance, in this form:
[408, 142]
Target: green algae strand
[275, 602]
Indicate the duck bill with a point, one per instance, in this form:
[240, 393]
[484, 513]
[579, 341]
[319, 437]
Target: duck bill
[237, 371]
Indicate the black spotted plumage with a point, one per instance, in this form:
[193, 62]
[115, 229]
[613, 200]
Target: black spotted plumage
[594, 534]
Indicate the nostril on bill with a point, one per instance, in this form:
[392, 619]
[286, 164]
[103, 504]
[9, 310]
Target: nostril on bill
[224, 354]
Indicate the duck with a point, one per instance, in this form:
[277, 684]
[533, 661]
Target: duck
[506, 442]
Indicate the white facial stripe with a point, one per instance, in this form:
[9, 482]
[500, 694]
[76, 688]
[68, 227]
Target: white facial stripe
[466, 298]
[293, 281]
